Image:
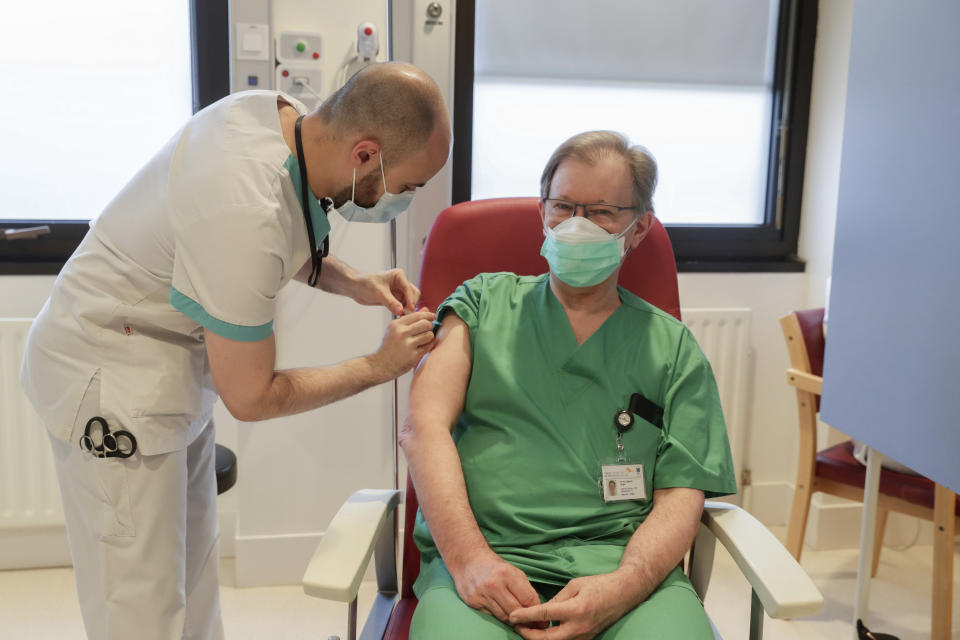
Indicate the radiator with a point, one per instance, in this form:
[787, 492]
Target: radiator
[724, 336]
[32, 530]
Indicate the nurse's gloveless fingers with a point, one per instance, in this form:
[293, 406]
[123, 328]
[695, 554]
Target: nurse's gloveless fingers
[423, 339]
[403, 343]
[421, 326]
[424, 315]
[411, 297]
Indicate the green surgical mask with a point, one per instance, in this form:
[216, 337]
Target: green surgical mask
[581, 253]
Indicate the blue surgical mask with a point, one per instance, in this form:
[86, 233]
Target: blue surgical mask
[388, 207]
[582, 253]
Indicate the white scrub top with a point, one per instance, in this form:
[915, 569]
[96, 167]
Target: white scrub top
[202, 237]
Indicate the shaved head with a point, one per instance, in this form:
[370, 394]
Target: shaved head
[393, 103]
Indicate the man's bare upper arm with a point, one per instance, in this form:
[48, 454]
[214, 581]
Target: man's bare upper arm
[242, 372]
[440, 382]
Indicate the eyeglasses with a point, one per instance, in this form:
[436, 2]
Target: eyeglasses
[560, 209]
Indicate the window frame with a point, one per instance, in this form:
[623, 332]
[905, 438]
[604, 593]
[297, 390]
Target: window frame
[767, 247]
[210, 71]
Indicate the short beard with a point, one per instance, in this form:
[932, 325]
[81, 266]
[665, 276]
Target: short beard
[366, 195]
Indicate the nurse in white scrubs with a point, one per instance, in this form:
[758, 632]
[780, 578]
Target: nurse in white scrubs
[170, 300]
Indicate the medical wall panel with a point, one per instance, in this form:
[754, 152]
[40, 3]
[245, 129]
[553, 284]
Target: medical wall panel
[32, 530]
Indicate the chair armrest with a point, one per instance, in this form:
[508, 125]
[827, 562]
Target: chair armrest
[342, 556]
[781, 584]
[804, 381]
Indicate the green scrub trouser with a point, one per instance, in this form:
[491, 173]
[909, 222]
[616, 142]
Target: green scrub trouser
[671, 612]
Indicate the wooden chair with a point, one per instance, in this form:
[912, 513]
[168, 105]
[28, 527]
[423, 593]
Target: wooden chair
[835, 470]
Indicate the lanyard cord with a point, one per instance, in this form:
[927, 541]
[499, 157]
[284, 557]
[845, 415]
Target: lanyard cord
[316, 255]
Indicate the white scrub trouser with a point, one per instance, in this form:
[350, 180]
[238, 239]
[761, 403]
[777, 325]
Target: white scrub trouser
[143, 536]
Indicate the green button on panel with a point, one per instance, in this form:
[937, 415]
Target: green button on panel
[301, 46]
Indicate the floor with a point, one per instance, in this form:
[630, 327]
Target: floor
[41, 604]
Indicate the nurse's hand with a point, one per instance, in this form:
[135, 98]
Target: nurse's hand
[582, 609]
[407, 339]
[388, 288]
[490, 584]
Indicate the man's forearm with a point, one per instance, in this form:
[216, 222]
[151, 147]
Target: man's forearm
[297, 390]
[659, 544]
[336, 276]
[441, 490]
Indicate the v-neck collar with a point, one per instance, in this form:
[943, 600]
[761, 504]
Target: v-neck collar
[560, 343]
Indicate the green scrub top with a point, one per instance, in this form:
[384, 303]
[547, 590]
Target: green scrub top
[538, 422]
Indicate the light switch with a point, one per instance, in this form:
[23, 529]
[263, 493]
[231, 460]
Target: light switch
[252, 41]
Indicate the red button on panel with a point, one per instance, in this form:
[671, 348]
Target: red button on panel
[316, 55]
[285, 73]
[368, 31]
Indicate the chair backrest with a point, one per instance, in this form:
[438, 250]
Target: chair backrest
[803, 331]
[505, 234]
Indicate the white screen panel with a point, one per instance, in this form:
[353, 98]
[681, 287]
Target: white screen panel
[893, 353]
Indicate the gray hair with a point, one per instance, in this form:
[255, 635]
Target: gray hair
[590, 146]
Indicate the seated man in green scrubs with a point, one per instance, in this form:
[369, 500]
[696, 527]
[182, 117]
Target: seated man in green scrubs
[540, 395]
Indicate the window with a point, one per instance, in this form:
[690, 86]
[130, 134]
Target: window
[99, 91]
[719, 92]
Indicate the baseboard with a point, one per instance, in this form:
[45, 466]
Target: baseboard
[273, 559]
[228, 533]
[769, 502]
[282, 559]
[47, 546]
[835, 523]
[34, 547]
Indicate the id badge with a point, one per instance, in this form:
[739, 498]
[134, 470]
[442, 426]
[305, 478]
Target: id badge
[622, 482]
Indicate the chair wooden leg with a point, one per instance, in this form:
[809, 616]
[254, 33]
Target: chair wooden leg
[878, 539]
[798, 518]
[943, 532]
[806, 466]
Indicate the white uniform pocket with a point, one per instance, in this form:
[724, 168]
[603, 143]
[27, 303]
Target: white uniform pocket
[116, 514]
[116, 517]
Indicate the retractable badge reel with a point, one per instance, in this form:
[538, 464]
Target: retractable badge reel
[622, 480]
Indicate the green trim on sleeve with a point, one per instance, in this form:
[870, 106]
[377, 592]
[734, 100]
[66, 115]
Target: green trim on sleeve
[193, 310]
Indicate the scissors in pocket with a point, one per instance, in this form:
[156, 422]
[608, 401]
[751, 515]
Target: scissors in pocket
[115, 444]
